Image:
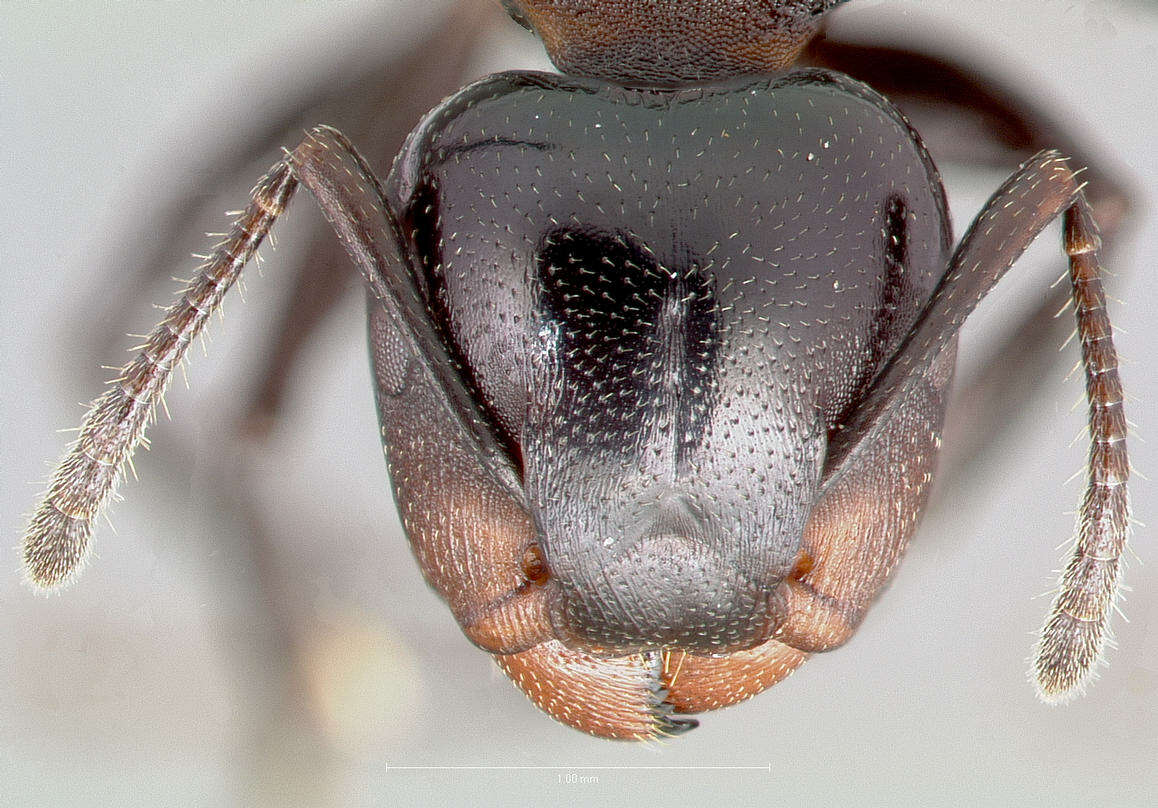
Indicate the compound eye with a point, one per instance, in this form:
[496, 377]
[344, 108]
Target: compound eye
[534, 565]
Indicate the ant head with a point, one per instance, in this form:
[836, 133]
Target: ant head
[670, 42]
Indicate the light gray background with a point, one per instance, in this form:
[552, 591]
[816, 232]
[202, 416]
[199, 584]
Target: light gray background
[168, 676]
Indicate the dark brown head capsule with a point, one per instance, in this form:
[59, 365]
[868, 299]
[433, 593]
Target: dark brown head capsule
[666, 303]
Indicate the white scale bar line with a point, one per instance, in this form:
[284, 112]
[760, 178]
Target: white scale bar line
[765, 768]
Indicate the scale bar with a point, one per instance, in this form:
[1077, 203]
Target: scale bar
[581, 767]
